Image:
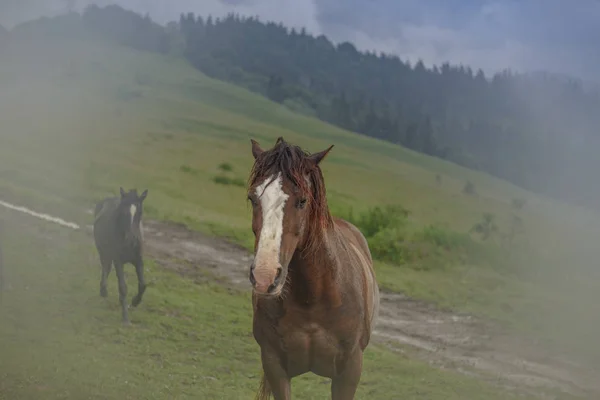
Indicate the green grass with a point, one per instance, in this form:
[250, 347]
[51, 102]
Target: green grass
[59, 339]
[68, 139]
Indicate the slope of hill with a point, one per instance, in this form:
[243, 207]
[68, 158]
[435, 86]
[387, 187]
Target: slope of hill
[190, 338]
[536, 130]
[81, 118]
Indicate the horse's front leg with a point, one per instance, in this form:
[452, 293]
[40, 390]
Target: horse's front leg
[139, 269]
[276, 379]
[106, 264]
[122, 291]
[344, 385]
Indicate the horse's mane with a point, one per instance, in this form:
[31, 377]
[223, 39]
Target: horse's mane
[295, 165]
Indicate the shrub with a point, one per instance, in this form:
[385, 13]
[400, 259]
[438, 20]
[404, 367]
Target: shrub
[518, 203]
[187, 169]
[443, 238]
[378, 219]
[469, 188]
[225, 167]
[433, 247]
[390, 245]
[225, 180]
[486, 228]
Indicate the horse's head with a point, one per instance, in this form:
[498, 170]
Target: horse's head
[287, 193]
[129, 213]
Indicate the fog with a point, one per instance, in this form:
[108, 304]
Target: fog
[558, 269]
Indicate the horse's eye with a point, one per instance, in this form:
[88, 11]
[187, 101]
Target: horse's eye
[301, 203]
[251, 200]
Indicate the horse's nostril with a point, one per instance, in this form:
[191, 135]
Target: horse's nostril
[278, 275]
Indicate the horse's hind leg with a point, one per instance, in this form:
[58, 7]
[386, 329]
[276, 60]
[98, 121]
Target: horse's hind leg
[343, 386]
[106, 267]
[122, 290]
[139, 269]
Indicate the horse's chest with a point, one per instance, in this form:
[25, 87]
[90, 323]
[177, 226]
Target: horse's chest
[311, 348]
[129, 252]
[310, 341]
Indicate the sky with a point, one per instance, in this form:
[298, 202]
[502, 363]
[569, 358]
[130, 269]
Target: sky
[524, 35]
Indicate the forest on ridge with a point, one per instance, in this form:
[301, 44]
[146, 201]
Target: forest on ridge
[536, 130]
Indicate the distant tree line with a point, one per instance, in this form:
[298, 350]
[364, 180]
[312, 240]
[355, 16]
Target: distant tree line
[538, 131]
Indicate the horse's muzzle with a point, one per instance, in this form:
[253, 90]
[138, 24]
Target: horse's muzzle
[265, 280]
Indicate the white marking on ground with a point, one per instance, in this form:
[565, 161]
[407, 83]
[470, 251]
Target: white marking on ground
[45, 217]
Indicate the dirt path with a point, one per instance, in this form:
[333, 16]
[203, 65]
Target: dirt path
[447, 340]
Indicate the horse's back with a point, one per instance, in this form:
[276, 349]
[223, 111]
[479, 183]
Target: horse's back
[350, 231]
[104, 221]
[105, 210]
[358, 244]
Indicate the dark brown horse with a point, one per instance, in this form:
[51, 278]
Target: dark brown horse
[118, 234]
[315, 297]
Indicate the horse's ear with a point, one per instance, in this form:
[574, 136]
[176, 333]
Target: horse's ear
[318, 157]
[256, 149]
[279, 140]
[143, 195]
[122, 192]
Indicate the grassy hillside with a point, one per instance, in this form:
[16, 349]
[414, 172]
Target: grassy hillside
[79, 119]
[60, 340]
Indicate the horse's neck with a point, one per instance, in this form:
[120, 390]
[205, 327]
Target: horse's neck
[314, 276]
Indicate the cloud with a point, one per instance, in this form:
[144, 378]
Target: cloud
[490, 34]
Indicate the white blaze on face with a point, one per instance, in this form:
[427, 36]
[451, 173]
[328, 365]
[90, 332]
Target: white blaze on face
[272, 200]
[132, 211]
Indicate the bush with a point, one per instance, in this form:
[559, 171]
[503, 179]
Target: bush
[443, 238]
[469, 188]
[433, 247]
[379, 219]
[486, 228]
[187, 169]
[225, 180]
[518, 203]
[390, 245]
[225, 167]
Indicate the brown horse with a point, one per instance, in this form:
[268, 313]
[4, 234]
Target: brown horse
[315, 297]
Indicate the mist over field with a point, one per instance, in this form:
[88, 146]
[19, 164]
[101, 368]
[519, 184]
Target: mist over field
[471, 174]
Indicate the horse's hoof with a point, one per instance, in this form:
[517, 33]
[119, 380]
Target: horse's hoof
[126, 322]
[135, 302]
[103, 292]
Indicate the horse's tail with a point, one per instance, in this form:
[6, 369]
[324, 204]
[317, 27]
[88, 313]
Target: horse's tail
[264, 390]
[98, 208]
